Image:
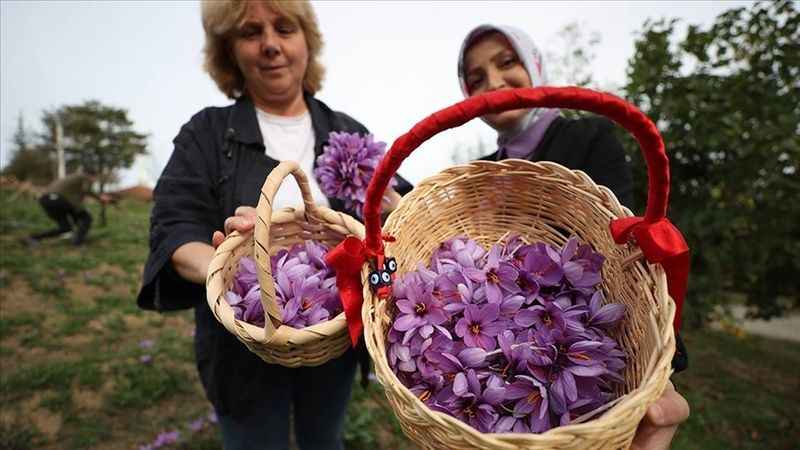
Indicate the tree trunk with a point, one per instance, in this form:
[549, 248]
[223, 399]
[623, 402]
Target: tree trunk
[102, 205]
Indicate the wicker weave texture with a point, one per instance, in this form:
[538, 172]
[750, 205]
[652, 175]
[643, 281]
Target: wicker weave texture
[275, 230]
[487, 201]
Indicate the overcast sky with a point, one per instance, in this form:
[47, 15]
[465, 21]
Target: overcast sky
[389, 64]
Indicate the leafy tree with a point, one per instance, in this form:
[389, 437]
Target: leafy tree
[29, 162]
[573, 66]
[99, 139]
[726, 101]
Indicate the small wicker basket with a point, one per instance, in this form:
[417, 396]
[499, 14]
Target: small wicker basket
[277, 343]
[487, 201]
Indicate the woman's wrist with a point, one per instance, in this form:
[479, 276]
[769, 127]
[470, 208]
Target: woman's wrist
[191, 261]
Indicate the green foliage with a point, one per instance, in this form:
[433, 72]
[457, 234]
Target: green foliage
[54, 375]
[369, 422]
[86, 432]
[29, 162]
[19, 435]
[572, 65]
[725, 100]
[140, 385]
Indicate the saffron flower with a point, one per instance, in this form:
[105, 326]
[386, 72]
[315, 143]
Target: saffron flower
[346, 165]
[480, 325]
[531, 401]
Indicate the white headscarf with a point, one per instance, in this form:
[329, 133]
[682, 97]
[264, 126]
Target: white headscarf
[531, 59]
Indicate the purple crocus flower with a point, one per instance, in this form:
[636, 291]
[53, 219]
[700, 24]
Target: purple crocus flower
[468, 294]
[197, 425]
[531, 401]
[473, 404]
[166, 438]
[581, 264]
[254, 310]
[480, 325]
[548, 316]
[427, 388]
[540, 264]
[457, 252]
[528, 286]
[603, 316]
[494, 276]
[400, 358]
[452, 365]
[346, 165]
[246, 277]
[446, 287]
[419, 309]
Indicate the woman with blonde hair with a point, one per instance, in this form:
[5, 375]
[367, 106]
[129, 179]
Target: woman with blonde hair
[265, 56]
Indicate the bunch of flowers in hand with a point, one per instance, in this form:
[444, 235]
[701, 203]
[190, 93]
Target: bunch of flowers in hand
[305, 287]
[513, 339]
[346, 166]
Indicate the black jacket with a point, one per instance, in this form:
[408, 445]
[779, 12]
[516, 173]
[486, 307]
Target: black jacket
[587, 144]
[219, 163]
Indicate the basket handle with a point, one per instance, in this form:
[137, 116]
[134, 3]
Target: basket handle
[660, 241]
[261, 236]
[616, 109]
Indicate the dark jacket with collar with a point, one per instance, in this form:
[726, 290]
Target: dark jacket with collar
[587, 144]
[218, 163]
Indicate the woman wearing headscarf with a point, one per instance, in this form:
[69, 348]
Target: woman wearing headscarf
[502, 57]
[265, 56]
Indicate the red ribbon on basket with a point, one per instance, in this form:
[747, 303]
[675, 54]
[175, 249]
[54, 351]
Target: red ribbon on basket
[347, 259]
[661, 243]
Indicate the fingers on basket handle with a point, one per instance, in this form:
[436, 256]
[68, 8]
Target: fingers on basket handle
[262, 238]
[610, 106]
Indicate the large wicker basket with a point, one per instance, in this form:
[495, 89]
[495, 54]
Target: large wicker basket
[487, 201]
[277, 343]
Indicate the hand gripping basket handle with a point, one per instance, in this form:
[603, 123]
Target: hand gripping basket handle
[262, 237]
[614, 108]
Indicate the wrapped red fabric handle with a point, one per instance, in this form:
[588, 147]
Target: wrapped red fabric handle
[660, 241]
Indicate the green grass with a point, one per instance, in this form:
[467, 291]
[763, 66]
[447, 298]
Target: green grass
[744, 393]
[69, 349]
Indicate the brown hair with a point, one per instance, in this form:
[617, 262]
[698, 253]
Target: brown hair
[220, 20]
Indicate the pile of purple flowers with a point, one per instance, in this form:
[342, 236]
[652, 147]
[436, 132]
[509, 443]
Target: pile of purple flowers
[513, 339]
[305, 287]
[346, 166]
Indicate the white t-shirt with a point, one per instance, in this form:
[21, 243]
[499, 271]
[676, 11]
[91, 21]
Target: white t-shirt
[291, 139]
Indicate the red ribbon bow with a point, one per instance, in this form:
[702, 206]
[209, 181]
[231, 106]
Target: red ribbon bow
[662, 243]
[347, 259]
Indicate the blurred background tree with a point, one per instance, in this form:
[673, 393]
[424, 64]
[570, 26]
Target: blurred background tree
[726, 101]
[29, 161]
[571, 64]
